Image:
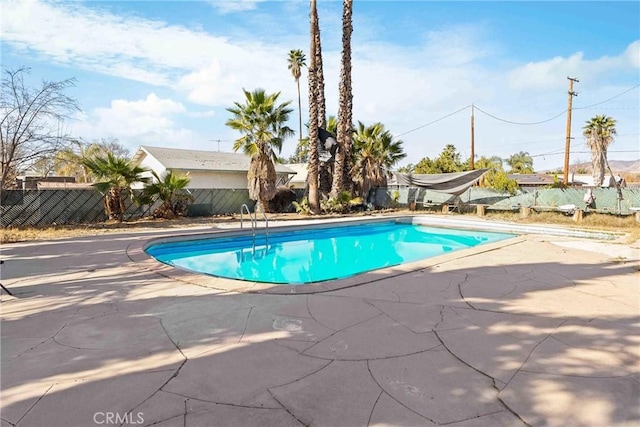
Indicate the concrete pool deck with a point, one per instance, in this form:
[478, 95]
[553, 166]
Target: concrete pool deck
[541, 331]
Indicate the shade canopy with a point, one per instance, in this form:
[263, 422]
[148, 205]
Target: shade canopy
[450, 183]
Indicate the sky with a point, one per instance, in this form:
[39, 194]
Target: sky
[163, 73]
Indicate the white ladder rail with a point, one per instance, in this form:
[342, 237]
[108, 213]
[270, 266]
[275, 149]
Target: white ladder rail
[266, 222]
[254, 222]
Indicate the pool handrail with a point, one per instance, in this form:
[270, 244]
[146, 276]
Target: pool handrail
[243, 208]
[254, 222]
[266, 221]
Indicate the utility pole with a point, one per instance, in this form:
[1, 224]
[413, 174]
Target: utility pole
[472, 140]
[567, 145]
[218, 140]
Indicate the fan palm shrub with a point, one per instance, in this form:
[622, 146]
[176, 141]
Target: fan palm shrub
[171, 190]
[115, 176]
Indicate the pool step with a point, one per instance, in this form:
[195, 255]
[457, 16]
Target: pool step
[257, 252]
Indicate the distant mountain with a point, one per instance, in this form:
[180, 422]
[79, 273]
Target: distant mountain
[618, 166]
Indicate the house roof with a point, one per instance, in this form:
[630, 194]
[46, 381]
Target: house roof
[178, 158]
[301, 170]
[532, 179]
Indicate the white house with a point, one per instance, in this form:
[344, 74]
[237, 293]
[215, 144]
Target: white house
[299, 180]
[206, 169]
[587, 180]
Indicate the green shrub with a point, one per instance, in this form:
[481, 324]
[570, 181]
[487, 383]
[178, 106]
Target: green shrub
[303, 207]
[339, 204]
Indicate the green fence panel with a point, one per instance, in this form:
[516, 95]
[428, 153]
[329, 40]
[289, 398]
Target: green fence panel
[207, 202]
[607, 200]
[63, 206]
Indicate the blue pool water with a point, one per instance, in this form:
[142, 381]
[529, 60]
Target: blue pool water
[317, 254]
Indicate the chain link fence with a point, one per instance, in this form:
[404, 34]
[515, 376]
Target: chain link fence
[63, 206]
[607, 200]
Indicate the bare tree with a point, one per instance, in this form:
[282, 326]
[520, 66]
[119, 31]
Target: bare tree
[69, 161]
[31, 126]
[112, 145]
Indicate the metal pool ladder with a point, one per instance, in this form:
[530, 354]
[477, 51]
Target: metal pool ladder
[254, 222]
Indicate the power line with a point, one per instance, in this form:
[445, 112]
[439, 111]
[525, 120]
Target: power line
[521, 123]
[561, 113]
[551, 153]
[635, 107]
[435, 121]
[558, 152]
[547, 140]
[609, 151]
[607, 100]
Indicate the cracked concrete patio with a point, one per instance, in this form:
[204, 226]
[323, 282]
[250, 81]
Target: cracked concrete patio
[539, 331]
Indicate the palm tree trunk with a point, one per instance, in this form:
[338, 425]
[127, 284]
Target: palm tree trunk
[107, 204]
[299, 117]
[322, 108]
[262, 204]
[121, 208]
[598, 166]
[312, 177]
[114, 204]
[345, 108]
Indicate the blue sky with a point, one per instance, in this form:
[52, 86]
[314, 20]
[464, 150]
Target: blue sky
[163, 73]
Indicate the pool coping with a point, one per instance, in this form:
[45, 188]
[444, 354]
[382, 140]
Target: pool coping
[136, 252]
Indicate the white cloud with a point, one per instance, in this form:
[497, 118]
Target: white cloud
[202, 114]
[632, 54]
[209, 85]
[134, 48]
[151, 106]
[210, 70]
[145, 121]
[403, 86]
[220, 82]
[551, 74]
[232, 6]
[456, 46]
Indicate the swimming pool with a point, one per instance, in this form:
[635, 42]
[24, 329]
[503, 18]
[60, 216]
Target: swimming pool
[317, 254]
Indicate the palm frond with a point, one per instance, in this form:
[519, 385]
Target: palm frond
[262, 123]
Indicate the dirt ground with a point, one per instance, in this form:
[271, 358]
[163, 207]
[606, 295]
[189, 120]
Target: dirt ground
[23, 234]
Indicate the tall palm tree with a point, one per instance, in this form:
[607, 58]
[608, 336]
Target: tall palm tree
[375, 153]
[494, 162]
[599, 133]
[296, 62]
[520, 162]
[345, 106]
[332, 125]
[302, 150]
[322, 104]
[170, 190]
[262, 123]
[314, 161]
[115, 175]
